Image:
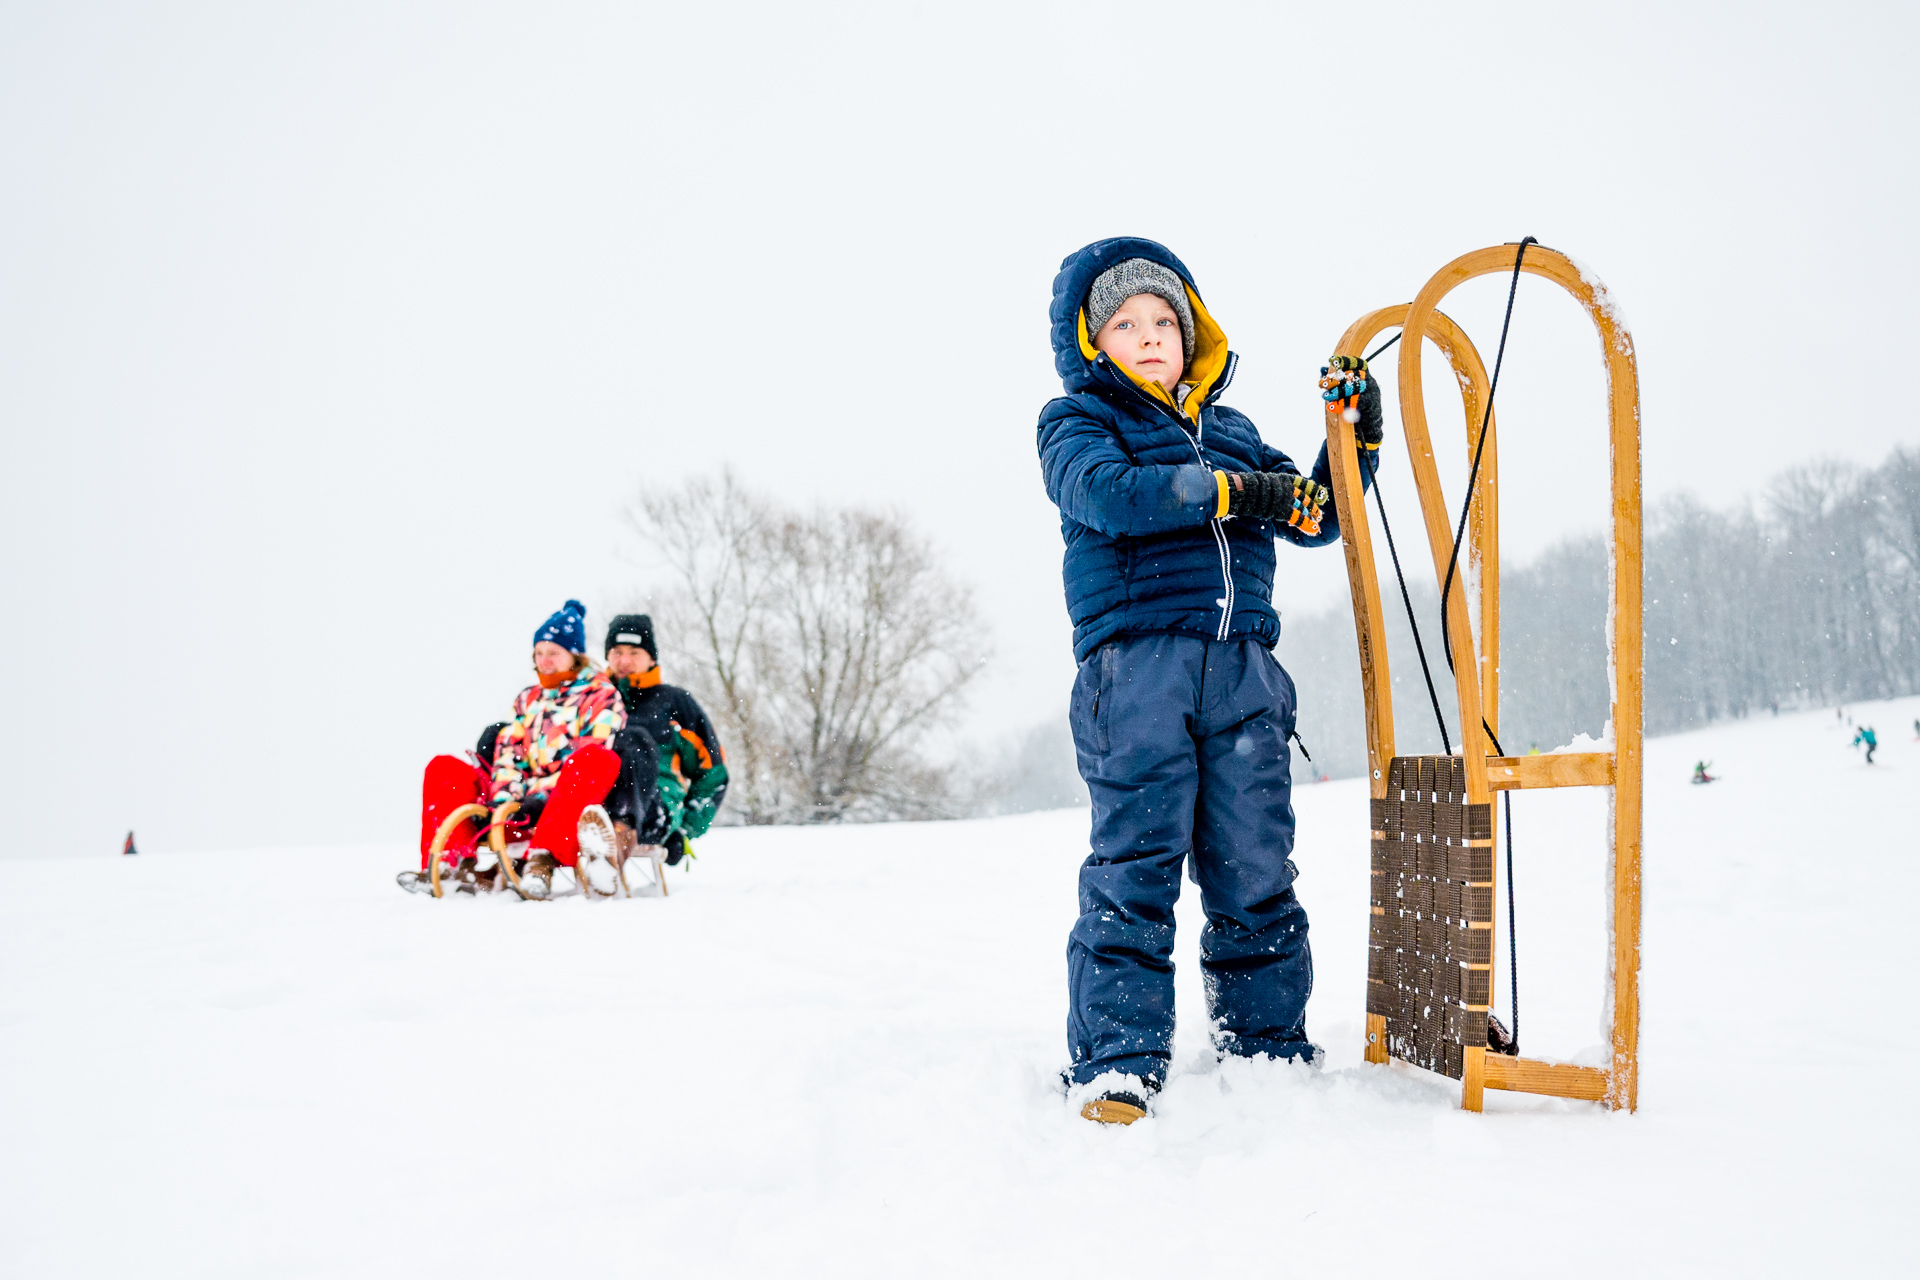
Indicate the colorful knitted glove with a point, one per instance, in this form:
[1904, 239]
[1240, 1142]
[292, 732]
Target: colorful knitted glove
[1285, 497]
[1345, 381]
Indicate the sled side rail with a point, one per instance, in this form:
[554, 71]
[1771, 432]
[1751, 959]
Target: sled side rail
[1571, 769]
[1356, 540]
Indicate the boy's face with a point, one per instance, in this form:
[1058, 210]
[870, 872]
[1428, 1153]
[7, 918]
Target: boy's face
[628, 661]
[1144, 335]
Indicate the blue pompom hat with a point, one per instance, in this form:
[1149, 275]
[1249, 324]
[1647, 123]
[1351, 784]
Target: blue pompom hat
[567, 628]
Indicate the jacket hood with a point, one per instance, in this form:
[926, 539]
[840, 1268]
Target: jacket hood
[1082, 368]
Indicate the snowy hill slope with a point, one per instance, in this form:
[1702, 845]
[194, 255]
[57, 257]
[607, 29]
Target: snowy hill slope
[832, 1052]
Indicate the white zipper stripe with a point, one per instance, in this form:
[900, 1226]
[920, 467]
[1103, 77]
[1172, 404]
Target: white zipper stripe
[1219, 537]
[1226, 573]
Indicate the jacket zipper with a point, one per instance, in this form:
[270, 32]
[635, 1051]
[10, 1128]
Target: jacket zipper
[1219, 540]
[1213, 523]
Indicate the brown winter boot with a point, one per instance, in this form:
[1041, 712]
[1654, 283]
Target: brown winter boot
[464, 879]
[536, 877]
[1115, 1107]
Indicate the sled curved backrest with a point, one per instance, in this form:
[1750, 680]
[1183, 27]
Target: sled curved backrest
[1476, 683]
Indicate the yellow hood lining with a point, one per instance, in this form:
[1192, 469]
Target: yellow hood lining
[1209, 359]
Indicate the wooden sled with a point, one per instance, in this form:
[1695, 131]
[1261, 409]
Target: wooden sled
[509, 859]
[1431, 954]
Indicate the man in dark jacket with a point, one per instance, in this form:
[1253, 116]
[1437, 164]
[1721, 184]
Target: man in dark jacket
[668, 745]
[1169, 505]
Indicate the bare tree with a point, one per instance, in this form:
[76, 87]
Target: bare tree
[829, 645]
[715, 539]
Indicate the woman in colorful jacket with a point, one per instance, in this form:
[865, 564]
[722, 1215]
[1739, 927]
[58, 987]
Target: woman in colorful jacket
[553, 757]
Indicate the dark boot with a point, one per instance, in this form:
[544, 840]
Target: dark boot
[1499, 1039]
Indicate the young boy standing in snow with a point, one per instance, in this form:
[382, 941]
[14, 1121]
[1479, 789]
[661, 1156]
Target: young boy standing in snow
[1169, 505]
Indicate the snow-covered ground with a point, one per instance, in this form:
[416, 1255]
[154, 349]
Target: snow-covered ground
[833, 1052]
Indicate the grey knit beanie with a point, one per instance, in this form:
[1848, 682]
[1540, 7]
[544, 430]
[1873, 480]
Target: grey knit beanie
[1122, 280]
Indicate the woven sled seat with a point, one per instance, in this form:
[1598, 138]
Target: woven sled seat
[1430, 947]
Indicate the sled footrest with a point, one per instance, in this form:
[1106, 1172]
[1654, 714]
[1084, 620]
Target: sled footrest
[1555, 1079]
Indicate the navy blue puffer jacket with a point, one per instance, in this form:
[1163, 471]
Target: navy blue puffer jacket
[1148, 549]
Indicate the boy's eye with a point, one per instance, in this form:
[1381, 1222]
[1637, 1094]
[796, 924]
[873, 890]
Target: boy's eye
[1163, 321]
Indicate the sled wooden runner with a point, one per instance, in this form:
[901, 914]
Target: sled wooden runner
[1431, 971]
[444, 836]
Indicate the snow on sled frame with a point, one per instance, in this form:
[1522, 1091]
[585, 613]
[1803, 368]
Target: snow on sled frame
[1478, 775]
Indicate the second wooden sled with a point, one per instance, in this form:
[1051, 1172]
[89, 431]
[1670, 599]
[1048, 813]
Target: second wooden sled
[630, 850]
[1431, 971]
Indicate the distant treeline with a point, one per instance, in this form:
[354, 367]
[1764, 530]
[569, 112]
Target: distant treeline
[1809, 595]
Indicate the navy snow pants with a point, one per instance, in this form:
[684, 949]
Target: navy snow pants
[1183, 744]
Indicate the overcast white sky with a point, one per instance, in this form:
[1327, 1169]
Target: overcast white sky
[333, 336]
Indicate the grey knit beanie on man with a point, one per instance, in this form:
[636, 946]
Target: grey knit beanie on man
[1112, 288]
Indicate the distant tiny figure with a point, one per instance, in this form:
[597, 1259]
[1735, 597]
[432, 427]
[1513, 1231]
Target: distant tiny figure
[127, 850]
[1700, 775]
[1916, 728]
[1865, 738]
